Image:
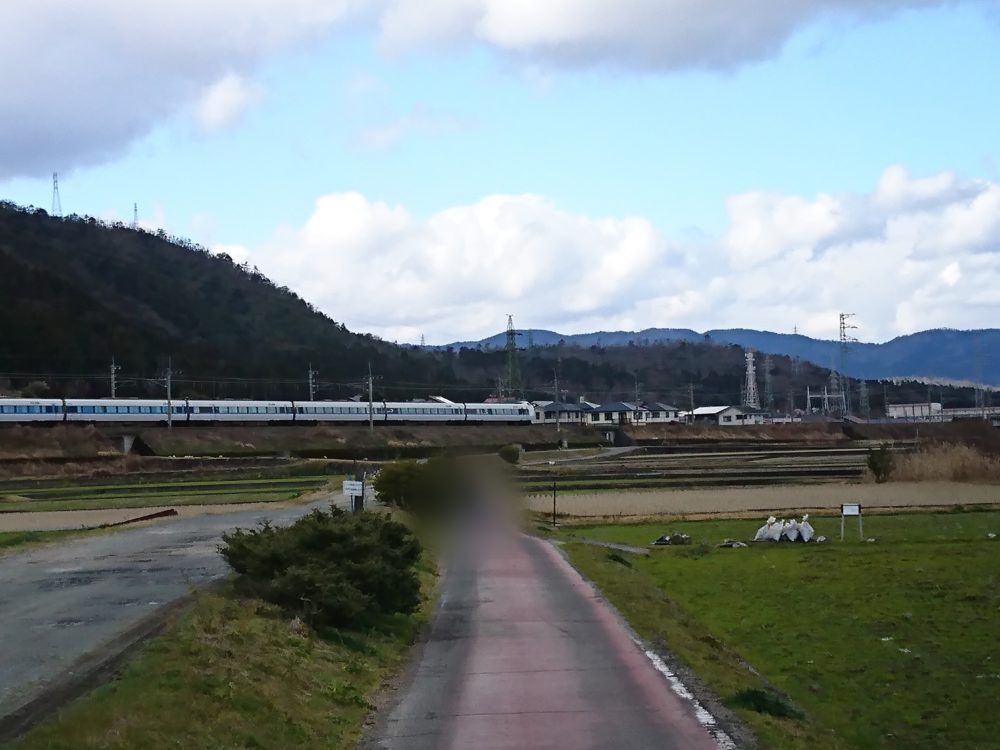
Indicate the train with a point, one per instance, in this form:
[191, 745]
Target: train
[180, 411]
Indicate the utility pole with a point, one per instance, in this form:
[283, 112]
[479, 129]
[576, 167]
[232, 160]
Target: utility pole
[312, 382]
[371, 406]
[135, 215]
[114, 378]
[635, 377]
[555, 384]
[167, 378]
[885, 399]
[691, 402]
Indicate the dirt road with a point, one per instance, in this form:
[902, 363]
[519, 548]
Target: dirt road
[767, 499]
[62, 601]
[523, 654]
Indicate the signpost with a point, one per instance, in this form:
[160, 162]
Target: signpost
[355, 489]
[851, 509]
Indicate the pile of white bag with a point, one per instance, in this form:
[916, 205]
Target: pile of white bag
[782, 530]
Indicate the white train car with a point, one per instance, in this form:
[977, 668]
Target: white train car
[239, 411]
[121, 410]
[491, 413]
[331, 411]
[420, 411]
[31, 410]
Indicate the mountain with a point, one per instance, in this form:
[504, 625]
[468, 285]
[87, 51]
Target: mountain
[77, 292]
[941, 354]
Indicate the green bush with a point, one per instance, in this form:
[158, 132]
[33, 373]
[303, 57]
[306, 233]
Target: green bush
[510, 453]
[881, 462]
[337, 569]
[424, 489]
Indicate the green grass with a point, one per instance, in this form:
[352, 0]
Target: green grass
[886, 645]
[143, 486]
[144, 501]
[16, 539]
[237, 674]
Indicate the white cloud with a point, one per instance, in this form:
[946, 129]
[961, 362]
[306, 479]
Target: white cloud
[223, 103]
[784, 261]
[81, 79]
[651, 34]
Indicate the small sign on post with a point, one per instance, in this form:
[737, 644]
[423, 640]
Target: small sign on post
[355, 490]
[851, 509]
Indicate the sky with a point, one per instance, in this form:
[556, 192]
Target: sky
[423, 168]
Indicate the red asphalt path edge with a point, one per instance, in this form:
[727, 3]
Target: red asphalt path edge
[524, 653]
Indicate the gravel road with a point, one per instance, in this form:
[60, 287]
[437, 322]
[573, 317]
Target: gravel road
[62, 601]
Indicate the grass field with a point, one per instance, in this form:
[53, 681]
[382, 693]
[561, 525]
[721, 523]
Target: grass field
[235, 673]
[885, 645]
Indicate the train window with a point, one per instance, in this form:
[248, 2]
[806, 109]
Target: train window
[271, 410]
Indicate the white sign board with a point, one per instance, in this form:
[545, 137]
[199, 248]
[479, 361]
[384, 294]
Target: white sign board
[353, 488]
[850, 509]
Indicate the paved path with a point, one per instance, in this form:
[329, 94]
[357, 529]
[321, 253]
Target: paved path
[62, 601]
[523, 654]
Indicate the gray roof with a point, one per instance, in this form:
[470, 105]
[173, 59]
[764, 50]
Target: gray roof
[563, 408]
[615, 406]
[666, 407]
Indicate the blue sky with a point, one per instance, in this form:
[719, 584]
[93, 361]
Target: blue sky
[609, 185]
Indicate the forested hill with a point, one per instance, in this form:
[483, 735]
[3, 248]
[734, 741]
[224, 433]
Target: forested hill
[941, 354]
[76, 292]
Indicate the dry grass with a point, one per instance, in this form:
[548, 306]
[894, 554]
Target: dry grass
[764, 500]
[948, 462]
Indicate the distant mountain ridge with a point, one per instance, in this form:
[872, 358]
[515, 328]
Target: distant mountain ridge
[940, 354]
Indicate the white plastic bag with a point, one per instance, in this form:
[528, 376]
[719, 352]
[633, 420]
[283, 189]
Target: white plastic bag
[774, 531]
[762, 532]
[791, 530]
[805, 529]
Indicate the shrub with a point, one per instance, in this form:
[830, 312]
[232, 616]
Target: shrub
[337, 569]
[880, 462]
[421, 488]
[510, 453]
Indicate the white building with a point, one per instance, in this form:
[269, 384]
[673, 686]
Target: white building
[726, 416]
[619, 413]
[914, 411]
[664, 413]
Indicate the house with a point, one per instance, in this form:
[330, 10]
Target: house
[552, 412]
[727, 416]
[619, 413]
[664, 413]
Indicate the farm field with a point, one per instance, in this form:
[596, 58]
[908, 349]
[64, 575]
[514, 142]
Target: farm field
[763, 500]
[729, 463]
[841, 645]
[84, 496]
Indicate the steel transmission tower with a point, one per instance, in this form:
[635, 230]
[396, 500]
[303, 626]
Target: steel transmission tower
[864, 402]
[844, 382]
[751, 398]
[56, 201]
[513, 385]
[768, 386]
